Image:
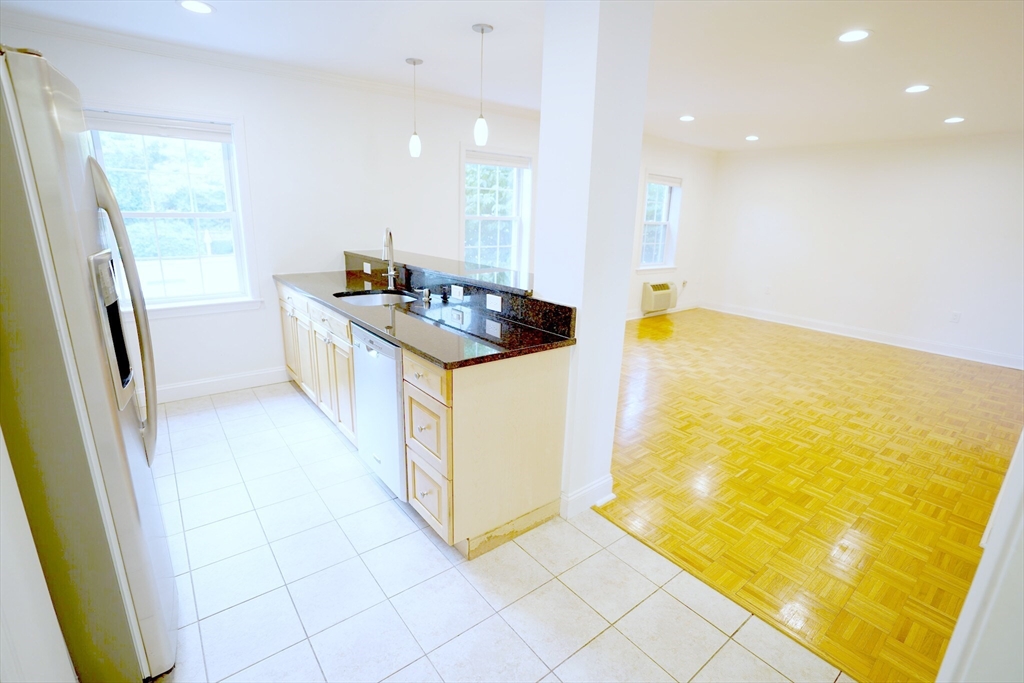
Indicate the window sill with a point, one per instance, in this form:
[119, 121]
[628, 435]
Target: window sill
[648, 269]
[193, 308]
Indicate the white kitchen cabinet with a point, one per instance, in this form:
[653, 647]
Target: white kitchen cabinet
[288, 329]
[304, 354]
[343, 386]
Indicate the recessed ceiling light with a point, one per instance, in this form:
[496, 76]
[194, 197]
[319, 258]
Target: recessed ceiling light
[854, 36]
[955, 119]
[752, 138]
[196, 6]
[917, 88]
[686, 118]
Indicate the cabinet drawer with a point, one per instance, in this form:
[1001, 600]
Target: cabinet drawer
[428, 428]
[427, 377]
[337, 324]
[292, 299]
[428, 494]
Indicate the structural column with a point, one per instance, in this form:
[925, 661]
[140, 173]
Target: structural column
[593, 97]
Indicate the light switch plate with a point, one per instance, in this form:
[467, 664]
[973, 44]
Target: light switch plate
[367, 268]
[367, 284]
[457, 292]
[457, 316]
[493, 328]
[494, 303]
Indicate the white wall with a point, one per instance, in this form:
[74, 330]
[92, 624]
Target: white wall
[328, 169]
[696, 168]
[882, 241]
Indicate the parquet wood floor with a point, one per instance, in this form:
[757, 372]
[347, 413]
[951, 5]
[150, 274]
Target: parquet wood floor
[836, 488]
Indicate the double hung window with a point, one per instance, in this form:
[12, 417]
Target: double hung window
[496, 211]
[661, 221]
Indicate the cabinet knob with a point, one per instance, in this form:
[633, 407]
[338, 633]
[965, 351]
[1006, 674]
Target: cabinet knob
[418, 375]
[424, 494]
[422, 428]
[323, 319]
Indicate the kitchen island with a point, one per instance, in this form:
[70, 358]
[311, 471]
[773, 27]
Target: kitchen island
[483, 391]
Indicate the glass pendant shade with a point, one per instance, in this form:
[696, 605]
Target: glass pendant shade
[480, 132]
[414, 146]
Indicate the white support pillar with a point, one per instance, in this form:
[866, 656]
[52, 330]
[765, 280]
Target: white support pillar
[593, 97]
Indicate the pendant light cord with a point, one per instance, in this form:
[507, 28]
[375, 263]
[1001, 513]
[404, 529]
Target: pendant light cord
[414, 99]
[481, 73]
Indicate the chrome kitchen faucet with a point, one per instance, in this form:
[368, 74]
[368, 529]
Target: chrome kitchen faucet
[389, 256]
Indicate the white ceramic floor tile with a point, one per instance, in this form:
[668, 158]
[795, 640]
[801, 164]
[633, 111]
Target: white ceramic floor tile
[297, 664]
[166, 489]
[794, 661]
[271, 391]
[441, 608]
[610, 657]
[179, 555]
[245, 426]
[376, 526]
[292, 413]
[215, 506]
[353, 495]
[490, 651]
[554, 622]
[189, 666]
[504, 574]
[655, 626]
[188, 405]
[557, 545]
[294, 515]
[248, 633]
[707, 602]
[197, 436]
[187, 459]
[278, 487]
[171, 513]
[238, 578]
[243, 411]
[315, 450]
[734, 664]
[453, 555]
[324, 473]
[220, 540]
[370, 646]
[301, 432]
[206, 479]
[404, 562]
[266, 463]
[410, 512]
[597, 527]
[656, 568]
[334, 594]
[420, 671]
[230, 398]
[180, 423]
[186, 601]
[163, 447]
[255, 443]
[608, 584]
[550, 678]
[309, 551]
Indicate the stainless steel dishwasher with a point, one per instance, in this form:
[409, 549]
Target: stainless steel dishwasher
[380, 420]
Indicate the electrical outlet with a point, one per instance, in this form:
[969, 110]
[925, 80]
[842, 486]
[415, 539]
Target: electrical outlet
[493, 328]
[456, 293]
[367, 268]
[955, 318]
[494, 303]
[457, 316]
[367, 284]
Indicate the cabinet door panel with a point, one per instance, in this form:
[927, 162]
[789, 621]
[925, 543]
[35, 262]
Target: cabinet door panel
[288, 330]
[344, 389]
[428, 495]
[304, 355]
[323, 358]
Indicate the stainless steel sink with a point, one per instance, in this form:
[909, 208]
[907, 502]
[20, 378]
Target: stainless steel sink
[376, 298]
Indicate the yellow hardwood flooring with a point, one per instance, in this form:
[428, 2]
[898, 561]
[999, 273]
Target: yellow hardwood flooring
[836, 488]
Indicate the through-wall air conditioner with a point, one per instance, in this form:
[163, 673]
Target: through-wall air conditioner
[658, 296]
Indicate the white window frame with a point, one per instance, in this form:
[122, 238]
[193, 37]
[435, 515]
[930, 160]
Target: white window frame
[220, 128]
[522, 253]
[675, 186]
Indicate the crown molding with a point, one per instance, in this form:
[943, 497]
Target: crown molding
[122, 41]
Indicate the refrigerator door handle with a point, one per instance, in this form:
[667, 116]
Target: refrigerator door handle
[106, 201]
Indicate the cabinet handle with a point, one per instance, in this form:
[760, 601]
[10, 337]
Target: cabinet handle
[422, 428]
[418, 375]
[375, 458]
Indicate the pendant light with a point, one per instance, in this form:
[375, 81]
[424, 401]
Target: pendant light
[480, 129]
[414, 142]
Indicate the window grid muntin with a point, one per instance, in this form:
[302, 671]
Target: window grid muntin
[476, 219]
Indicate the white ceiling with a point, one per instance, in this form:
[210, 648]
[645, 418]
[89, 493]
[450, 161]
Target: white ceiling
[772, 69]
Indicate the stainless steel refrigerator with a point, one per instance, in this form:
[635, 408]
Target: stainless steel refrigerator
[80, 443]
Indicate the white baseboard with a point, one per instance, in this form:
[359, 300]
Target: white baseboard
[216, 385]
[965, 352]
[637, 314]
[580, 500]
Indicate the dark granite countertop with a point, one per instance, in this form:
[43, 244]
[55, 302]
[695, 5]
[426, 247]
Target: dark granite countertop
[428, 330]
